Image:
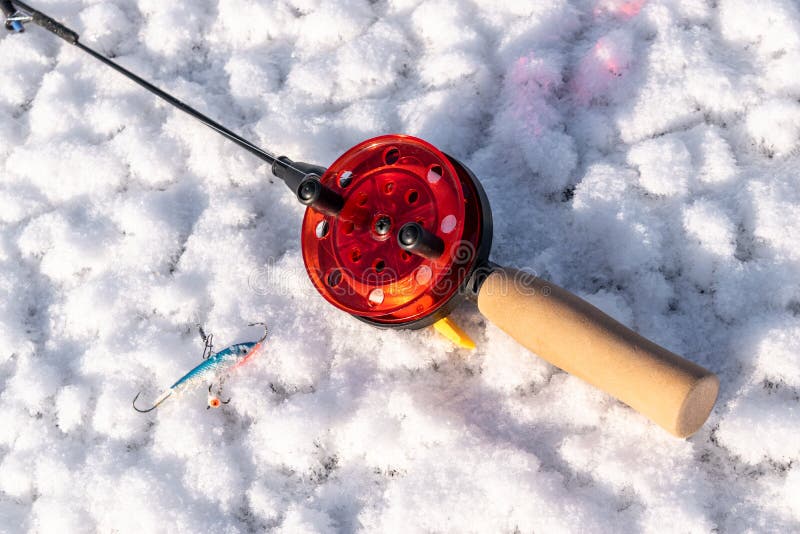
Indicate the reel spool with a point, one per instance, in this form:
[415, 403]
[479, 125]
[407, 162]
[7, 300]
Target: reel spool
[407, 230]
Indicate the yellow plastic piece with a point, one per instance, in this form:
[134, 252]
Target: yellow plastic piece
[454, 333]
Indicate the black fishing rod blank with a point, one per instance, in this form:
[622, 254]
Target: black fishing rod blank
[17, 14]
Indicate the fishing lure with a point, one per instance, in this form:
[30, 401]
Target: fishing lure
[214, 364]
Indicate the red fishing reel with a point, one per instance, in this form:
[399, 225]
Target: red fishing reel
[395, 231]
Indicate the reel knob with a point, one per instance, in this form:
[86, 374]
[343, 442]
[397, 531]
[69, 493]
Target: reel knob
[413, 238]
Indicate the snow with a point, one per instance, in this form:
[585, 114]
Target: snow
[648, 149]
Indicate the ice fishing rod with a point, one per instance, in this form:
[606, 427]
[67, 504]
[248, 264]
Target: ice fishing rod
[397, 233]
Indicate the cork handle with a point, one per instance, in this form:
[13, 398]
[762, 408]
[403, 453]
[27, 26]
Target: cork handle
[572, 334]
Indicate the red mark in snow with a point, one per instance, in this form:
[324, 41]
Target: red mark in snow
[631, 9]
[530, 83]
[604, 54]
[623, 9]
[604, 63]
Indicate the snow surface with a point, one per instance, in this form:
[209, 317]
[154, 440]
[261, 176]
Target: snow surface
[647, 149]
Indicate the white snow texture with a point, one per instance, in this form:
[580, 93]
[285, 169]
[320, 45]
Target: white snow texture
[643, 154]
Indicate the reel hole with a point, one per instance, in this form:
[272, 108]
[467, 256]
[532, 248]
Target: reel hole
[379, 265]
[322, 229]
[376, 296]
[355, 255]
[345, 179]
[405, 256]
[449, 224]
[334, 278]
[391, 155]
[348, 227]
[362, 199]
[423, 275]
[412, 196]
[435, 173]
[388, 188]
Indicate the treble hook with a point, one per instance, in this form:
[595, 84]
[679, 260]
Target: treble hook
[213, 400]
[159, 400]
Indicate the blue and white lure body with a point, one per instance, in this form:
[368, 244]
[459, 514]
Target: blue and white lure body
[213, 365]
